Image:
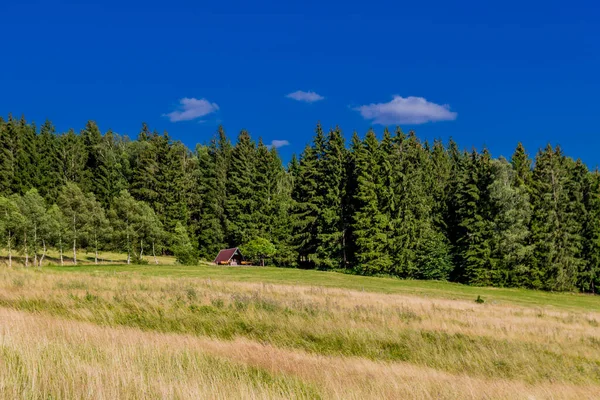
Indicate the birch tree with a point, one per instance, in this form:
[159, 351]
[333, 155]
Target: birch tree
[11, 220]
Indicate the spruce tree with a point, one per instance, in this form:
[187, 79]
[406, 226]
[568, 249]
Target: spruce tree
[241, 197]
[305, 208]
[72, 157]
[588, 279]
[330, 250]
[206, 215]
[370, 223]
[511, 215]
[473, 246]
[554, 231]
[49, 179]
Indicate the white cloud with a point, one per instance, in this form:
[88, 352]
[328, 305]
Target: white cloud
[406, 110]
[191, 108]
[279, 143]
[307, 97]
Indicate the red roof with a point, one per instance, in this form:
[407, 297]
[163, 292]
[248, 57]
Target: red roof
[225, 255]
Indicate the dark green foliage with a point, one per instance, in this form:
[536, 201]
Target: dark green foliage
[555, 227]
[306, 208]
[396, 206]
[331, 222]
[370, 223]
[589, 275]
[241, 202]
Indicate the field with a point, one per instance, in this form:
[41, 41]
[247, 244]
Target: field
[164, 331]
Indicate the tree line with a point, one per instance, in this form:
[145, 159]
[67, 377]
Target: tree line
[394, 205]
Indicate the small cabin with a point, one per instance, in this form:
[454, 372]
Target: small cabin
[230, 257]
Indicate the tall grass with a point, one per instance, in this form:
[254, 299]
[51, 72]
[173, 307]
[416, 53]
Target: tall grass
[534, 346]
[291, 276]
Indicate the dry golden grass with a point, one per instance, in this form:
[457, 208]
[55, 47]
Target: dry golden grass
[44, 357]
[208, 339]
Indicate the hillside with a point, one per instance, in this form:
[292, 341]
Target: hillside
[173, 331]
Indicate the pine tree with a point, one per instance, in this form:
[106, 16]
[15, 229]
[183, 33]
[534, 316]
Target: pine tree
[10, 149]
[206, 216]
[511, 213]
[589, 275]
[26, 160]
[72, 156]
[49, 178]
[241, 198]
[111, 170]
[173, 183]
[554, 232]
[183, 250]
[144, 174]
[473, 246]
[370, 224]
[350, 199]
[330, 250]
[91, 138]
[305, 208]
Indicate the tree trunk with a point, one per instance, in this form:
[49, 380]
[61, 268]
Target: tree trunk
[35, 259]
[128, 245]
[74, 251]
[141, 248]
[96, 255]
[154, 254]
[62, 261]
[74, 242]
[26, 251]
[43, 254]
[9, 252]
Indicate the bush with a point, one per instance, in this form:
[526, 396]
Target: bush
[182, 247]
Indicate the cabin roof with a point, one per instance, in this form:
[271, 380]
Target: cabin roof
[226, 254]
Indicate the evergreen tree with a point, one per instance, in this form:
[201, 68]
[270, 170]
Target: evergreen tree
[183, 250]
[473, 248]
[554, 230]
[49, 178]
[241, 197]
[144, 174]
[330, 250]
[370, 224]
[10, 150]
[91, 138]
[72, 156]
[206, 213]
[305, 208]
[511, 213]
[589, 275]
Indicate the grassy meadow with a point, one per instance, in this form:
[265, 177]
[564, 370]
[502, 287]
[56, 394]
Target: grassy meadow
[167, 331]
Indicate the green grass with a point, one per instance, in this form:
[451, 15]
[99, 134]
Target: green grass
[288, 276]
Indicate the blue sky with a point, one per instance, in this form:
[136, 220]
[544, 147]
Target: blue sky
[487, 73]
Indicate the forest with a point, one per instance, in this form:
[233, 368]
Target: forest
[390, 205]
